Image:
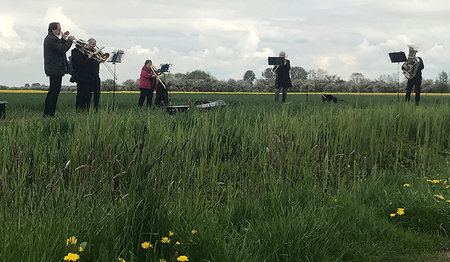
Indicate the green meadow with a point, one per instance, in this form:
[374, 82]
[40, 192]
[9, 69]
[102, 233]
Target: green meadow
[366, 179]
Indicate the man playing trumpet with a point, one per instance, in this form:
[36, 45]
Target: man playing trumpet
[55, 63]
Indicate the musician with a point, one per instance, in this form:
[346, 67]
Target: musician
[92, 44]
[83, 66]
[282, 80]
[55, 63]
[416, 81]
[147, 83]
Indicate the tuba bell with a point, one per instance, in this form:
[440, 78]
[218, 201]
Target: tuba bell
[412, 64]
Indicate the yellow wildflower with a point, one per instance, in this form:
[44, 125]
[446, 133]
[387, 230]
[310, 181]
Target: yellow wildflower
[177, 243]
[400, 211]
[80, 249]
[434, 181]
[406, 185]
[165, 240]
[245, 228]
[439, 196]
[71, 240]
[121, 260]
[447, 186]
[194, 231]
[335, 200]
[448, 201]
[392, 214]
[182, 258]
[170, 233]
[71, 257]
[146, 245]
[162, 260]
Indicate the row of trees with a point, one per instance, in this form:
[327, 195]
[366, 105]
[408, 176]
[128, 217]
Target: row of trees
[303, 81]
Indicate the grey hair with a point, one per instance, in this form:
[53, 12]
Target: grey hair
[91, 39]
[282, 52]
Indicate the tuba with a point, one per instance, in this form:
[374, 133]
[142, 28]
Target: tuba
[412, 64]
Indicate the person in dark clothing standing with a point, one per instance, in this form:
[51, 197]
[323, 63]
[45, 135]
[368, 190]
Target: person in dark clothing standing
[55, 63]
[147, 83]
[415, 81]
[282, 80]
[92, 44]
[83, 65]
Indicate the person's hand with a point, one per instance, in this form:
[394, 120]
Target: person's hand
[71, 37]
[66, 34]
[90, 54]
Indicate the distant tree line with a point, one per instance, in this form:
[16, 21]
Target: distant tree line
[303, 81]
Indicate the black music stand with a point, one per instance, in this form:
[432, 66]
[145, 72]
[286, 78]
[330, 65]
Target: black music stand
[276, 60]
[398, 57]
[116, 57]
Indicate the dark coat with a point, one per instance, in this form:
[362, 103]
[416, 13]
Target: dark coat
[83, 66]
[55, 61]
[283, 80]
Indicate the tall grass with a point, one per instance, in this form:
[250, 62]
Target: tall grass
[256, 180]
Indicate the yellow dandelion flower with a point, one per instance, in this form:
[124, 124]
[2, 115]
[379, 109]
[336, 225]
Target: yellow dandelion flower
[439, 196]
[400, 211]
[193, 232]
[71, 257]
[162, 260]
[448, 201]
[182, 258]
[80, 249]
[392, 214]
[406, 185]
[121, 260]
[170, 233]
[177, 243]
[165, 240]
[434, 181]
[146, 245]
[447, 186]
[71, 240]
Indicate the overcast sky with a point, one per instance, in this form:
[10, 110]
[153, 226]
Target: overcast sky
[226, 38]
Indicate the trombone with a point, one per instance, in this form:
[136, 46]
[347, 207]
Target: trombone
[157, 73]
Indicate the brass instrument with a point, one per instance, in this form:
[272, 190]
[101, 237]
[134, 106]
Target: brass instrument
[412, 64]
[99, 56]
[157, 73]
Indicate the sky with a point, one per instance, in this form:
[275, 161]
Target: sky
[227, 38]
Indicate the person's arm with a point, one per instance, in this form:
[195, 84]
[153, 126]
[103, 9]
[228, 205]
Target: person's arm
[147, 74]
[59, 45]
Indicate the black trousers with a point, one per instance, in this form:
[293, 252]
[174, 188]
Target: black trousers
[145, 93]
[83, 100]
[96, 93]
[416, 82]
[277, 93]
[52, 95]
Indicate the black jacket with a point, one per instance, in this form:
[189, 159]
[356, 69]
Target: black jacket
[55, 61]
[283, 79]
[83, 67]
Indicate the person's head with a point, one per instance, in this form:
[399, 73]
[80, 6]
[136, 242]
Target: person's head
[91, 43]
[54, 28]
[282, 54]
[148, 63]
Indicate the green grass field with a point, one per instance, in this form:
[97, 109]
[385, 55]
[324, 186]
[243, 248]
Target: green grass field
[363, 180]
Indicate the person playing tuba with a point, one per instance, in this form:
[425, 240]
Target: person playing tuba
[413, 71]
